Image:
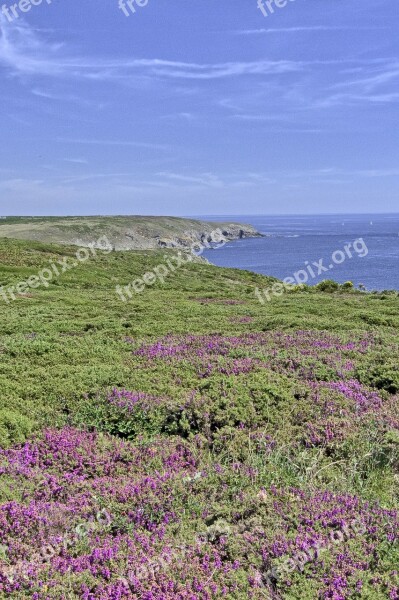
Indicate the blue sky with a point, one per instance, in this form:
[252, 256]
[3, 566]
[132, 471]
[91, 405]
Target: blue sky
[200, 107]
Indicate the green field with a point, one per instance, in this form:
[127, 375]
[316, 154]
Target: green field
[262, 427]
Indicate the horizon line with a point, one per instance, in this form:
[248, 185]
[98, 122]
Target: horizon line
[198, 216]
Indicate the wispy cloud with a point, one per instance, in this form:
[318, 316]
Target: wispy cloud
[373, 85]
[356, 99]
[203, 179]
[185, 116]
[22, 51]
[333, 173]
[302, 29]
[65, 97]
[378, 173]
[260, 118]
[77, 161]
[122, 143]
[25, 54]
[375, 76]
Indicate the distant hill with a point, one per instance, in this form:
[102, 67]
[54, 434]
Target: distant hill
[123, 232]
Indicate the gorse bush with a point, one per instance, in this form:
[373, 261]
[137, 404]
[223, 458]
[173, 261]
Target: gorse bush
[14, 427]
[328, 285]
[122, 413]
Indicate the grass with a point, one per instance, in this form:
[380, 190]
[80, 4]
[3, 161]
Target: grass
[249, 390]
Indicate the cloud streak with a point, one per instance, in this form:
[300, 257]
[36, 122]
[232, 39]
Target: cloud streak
[311, 28]
[23, 53]
[127, 143]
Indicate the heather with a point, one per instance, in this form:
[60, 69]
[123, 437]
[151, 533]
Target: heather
[192, 443]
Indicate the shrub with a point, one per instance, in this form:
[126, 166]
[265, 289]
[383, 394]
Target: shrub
[383, 377]
[328, 285]
[121, 413]
[14, 428]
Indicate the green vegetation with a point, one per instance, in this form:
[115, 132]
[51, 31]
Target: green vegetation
[271, 422]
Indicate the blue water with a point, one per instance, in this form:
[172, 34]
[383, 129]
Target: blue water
[293, 240]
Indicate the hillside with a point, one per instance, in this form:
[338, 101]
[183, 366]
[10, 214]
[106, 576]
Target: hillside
[124, 232]
[193, 443]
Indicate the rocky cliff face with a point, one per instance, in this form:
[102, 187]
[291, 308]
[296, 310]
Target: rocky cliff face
[209, 235]
[125, 233]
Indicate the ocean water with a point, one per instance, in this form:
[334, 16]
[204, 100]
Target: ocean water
[295, 243]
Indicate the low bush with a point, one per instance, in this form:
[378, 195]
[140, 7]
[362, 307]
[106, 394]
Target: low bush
[14, 428]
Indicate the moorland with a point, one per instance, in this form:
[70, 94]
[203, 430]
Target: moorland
[193, 443]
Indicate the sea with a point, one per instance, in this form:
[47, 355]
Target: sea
[363, 249]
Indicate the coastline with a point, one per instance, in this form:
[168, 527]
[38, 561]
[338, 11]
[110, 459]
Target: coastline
[301, 244]
[123, 232]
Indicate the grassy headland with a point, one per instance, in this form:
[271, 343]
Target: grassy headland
[123, 232]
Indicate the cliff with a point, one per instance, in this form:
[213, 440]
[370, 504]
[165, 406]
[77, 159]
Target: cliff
[123, 232]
